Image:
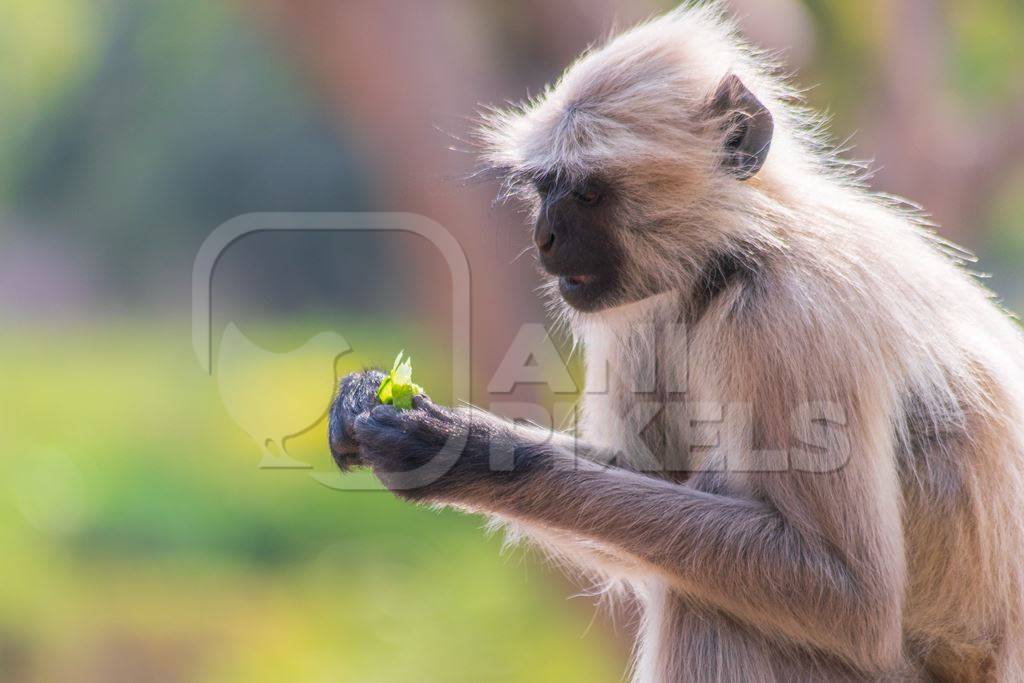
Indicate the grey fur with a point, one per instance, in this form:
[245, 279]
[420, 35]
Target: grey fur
[861, 518]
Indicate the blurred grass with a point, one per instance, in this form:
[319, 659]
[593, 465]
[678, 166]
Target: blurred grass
[142, 543]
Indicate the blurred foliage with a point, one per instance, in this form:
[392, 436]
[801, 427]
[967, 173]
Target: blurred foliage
[183, 118]
[986, 41]
[141, 542]
[45, 46]
[848, 35]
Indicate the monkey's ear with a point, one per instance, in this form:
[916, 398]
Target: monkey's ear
[747, 124]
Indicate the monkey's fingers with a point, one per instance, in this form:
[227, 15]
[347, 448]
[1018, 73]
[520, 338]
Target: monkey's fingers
[357, 394]
[423, 402]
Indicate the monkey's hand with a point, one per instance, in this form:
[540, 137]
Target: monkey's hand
[356, 396]
[440, 455]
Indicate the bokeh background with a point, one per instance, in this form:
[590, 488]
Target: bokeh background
[152, 526]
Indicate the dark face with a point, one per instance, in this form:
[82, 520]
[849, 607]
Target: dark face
[576, 240]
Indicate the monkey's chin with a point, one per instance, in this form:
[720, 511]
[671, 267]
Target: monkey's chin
[585, 293]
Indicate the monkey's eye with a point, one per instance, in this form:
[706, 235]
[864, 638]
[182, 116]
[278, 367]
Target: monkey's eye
[587, 197]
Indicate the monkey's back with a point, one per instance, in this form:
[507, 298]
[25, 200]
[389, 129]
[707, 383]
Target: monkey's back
[961, 461]
[959, 429]
[953, 361]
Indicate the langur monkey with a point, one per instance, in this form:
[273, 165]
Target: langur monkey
[835, 489]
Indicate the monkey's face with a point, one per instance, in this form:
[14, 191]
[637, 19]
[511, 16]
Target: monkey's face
[604, 240]
[576, 240]
[633, 165]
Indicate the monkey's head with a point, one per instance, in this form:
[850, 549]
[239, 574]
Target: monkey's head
[633, 161]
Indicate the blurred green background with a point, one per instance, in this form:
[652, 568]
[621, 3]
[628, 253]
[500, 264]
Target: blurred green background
[142, 539]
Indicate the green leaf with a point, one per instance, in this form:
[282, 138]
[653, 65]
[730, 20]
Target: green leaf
[398, 389]
[384, 393]
[402, 374]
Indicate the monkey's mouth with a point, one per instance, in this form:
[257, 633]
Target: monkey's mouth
[578, 290]
[583, 292]
[575, 281]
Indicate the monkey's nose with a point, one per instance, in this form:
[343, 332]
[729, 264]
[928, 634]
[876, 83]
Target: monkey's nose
[544, 238]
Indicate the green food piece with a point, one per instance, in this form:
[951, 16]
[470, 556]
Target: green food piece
[397, 389]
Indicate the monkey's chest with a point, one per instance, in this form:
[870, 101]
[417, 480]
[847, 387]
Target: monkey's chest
[636, 400]
[644, 427]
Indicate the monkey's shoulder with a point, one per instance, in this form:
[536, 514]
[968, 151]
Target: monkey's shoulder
[729, 280]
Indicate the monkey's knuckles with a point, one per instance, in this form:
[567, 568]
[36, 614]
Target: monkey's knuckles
[407, 449]
[394, 441]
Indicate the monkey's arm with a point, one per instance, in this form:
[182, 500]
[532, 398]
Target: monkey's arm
[764, 563]
[816, 556]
